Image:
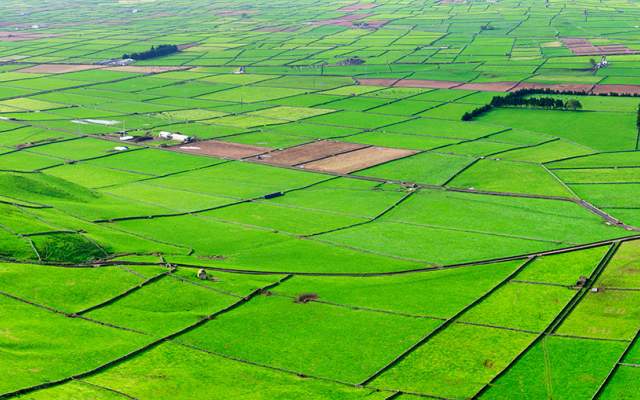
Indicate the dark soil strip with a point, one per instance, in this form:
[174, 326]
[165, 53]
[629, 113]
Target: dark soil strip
[150, 346]
[444, 325]
[557, 321]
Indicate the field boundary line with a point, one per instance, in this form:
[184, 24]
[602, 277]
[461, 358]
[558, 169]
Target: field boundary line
[124, 294]
[65, 314]
[149, 346]
[559, 318]
[104, 388]
[444, 324]
[616, 367]
[375, 218]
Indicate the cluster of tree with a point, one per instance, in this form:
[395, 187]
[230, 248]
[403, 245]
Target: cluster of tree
[514, 99]
[638, 120]
[520, 99]
[468, 116]
[155, 51]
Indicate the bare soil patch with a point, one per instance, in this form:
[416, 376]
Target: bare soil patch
[358, 159]
[308, 152]
[217, 148]
[584, 47]
[623, 89]
[58, 68]
[560, 86]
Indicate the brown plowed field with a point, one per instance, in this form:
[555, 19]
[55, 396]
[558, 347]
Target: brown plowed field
[562, 86]
[308, 152]
[217, 148]
[356, 160]
[626, 89]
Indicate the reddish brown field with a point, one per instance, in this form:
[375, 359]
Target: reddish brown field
[584, 47]
[217, 148]
[356, 160]
[58, 68]
[500, 86]
[625, 89]
[308, 152]
[569, 87]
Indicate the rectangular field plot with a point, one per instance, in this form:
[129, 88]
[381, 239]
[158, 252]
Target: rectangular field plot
[598, 175]
[437, 294]
[206, 236]
[162, 307]
[559, 368]
[77, 149]
[308, 152]
[521, 306]
[512, 177]
[457, 362]
[240, 180]
[623, 271]
[222, 149]
[170, 371]
[23, 161]
[400, 140]
[357, 160]
[91, 176]
[67, 289]
[605, 315]
[72, 345]
[293, 331]
[623, 385]
[343, 196]
[533, 219]
[292, 220]
[563, 269]
[175, 200]
[584, 128]
[426, 168]
[423, 243]
[602, 160]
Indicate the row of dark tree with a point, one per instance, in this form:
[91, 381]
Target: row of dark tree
[520, 98]
[153, 52]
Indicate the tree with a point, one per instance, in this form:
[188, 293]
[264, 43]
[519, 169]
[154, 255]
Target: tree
[573, 104]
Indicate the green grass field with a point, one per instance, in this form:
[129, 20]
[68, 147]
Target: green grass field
[293, 205]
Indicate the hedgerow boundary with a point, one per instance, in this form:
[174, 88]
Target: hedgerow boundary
[145, 348]
[559, 319]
